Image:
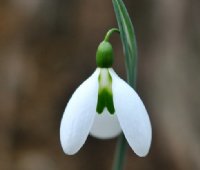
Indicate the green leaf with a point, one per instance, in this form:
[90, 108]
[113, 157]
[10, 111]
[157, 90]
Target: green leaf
[128, 40]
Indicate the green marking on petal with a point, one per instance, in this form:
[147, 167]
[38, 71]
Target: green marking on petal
[105, 96]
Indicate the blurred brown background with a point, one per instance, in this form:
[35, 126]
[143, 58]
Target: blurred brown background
[47, 48]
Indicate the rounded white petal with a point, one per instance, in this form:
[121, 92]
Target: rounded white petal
[105, 126]
[79, 115]
[132, 116]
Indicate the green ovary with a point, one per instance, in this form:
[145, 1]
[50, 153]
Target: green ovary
[105, 96]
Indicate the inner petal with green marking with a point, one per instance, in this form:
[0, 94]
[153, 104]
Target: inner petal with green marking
[105, 96]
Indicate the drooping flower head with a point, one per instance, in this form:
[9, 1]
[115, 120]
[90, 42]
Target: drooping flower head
[103, 106]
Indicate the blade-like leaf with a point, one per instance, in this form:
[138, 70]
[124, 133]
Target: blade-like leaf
[128, 40]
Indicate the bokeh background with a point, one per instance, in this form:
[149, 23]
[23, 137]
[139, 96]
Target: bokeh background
[47, 48]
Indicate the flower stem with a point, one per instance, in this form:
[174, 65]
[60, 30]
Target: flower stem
[128, 39]
[109, 33]
[120, 153]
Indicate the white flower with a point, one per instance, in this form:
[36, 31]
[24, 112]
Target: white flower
[81, 118]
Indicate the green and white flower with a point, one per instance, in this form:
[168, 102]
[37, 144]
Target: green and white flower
[104, 105]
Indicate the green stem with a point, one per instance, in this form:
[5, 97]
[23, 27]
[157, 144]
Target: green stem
[120, 153]
[128, 39]
[121, 144]
[109, 33]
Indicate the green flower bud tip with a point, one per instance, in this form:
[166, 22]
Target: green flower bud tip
[104, 55]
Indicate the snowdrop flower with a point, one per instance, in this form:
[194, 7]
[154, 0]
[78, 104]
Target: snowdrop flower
[103, 106]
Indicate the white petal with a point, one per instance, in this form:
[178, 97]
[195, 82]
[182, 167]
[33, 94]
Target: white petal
[79, 115]
[105, 126]
[132, 116]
